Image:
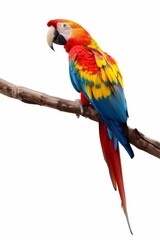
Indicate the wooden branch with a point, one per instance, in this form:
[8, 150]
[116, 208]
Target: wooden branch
[33, 97]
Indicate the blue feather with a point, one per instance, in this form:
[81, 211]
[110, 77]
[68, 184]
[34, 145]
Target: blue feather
[73, 76]
[116, 128]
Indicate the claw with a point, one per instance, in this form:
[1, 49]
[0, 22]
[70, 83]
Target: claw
[80, 106]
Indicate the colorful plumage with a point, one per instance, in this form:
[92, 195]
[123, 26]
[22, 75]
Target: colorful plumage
[97, 77]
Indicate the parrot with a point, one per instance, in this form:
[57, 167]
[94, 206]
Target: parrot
[96, 76]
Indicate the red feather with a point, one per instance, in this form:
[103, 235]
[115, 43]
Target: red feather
[112, 158]
[84, 100]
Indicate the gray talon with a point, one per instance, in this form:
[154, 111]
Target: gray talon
[80, 106]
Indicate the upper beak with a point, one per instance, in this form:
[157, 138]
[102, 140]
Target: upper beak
[53, 36]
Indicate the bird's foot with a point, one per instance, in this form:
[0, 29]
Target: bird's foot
[80, 106]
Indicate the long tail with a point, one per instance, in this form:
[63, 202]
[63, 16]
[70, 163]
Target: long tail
[111, 154]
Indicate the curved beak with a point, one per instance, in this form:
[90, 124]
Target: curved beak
[53, 36]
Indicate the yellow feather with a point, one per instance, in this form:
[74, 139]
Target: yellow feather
[88, 75]
[100, 61]
[108, 74]
[94, 76]
[85, 75]
[104, 76]
[115, 70]
[97, 80]
[106, 91]
[97, 93]
[77, 66]
[117, 75]
[111, 75]
[88, 91]
[120, 79]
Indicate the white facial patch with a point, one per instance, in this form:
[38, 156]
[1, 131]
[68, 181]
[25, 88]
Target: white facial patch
[64, 29]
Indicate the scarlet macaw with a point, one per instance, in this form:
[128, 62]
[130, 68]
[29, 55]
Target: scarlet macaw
[96, 76]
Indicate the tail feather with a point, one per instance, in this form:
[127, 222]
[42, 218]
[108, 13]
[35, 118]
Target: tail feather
[119, 131]
[105, 146]
[112, 158]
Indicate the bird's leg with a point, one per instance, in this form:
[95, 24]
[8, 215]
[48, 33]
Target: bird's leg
[83, 101]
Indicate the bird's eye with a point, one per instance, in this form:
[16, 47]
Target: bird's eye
[64, 25]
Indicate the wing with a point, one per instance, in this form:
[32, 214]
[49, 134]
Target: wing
[98, 77]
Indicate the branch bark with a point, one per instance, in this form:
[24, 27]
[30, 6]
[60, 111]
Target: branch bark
[27, 95]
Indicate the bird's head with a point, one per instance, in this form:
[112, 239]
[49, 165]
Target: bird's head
[67, 33]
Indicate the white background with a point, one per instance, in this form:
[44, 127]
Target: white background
[54, 183]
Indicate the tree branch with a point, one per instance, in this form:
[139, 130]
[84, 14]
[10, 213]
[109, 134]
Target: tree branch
[27, 95]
